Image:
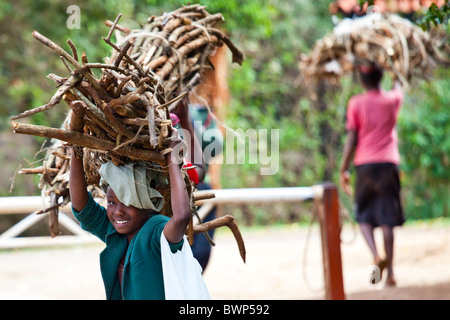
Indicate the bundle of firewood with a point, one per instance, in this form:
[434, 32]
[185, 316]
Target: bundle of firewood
[54, 179]
[401, 48]
[176, 45]
[124, 116]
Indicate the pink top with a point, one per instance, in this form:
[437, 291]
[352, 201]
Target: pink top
[373, 115]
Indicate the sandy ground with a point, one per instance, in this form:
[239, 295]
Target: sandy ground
[282, 263]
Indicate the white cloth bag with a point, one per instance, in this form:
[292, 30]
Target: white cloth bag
[182, 273]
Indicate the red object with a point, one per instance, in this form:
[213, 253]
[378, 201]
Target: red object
[192, 173]
[174, 118]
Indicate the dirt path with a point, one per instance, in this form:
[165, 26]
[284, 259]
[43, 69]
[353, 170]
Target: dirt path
[278, 267]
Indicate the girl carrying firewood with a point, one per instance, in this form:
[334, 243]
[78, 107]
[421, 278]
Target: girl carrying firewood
[372, 139]
[131, 264]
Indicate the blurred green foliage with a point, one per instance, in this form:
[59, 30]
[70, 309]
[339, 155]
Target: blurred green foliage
[435, 16]
[425, 147]
[266, 92]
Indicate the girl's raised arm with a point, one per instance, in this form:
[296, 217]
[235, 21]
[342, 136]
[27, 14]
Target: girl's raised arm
[180, 202]
[77, 183]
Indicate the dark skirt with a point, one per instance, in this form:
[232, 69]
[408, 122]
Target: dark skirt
[377, 195]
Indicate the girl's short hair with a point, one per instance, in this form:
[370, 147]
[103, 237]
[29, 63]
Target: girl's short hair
[371, 77]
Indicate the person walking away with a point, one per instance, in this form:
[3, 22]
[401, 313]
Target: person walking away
[372, 142]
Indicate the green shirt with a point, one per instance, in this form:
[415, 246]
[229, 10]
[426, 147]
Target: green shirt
[142, 274]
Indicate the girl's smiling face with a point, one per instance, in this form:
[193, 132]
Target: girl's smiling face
[127, 220]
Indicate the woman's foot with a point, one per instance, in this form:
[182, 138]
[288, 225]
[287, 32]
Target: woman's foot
[390, 282]
[381, 264]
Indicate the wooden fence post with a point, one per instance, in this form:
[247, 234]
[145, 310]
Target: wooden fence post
[331, 243]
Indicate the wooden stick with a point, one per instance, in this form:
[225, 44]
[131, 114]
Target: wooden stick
[53, 216]
[203, 195]
[150, 120]
[88, 141]
[109, 23]
[237, 55]
[57, 49]
[228, 221]
[74, 49]
[127, 57]
[84, 60]
[113, 26]
[96, 115]
[130, 97]
[86, 87]
[77, 118]
[61, 52]
[103, 66]
[117, 123]
[38, 170]
[56, 206]
[182, 52]
[70, 83]
[122, 53]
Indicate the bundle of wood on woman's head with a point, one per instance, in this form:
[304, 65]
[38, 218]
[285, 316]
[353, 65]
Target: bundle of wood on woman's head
[124, 116]
[401, 48]
[176, 45]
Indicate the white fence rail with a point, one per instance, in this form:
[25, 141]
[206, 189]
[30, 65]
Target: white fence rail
[10, 239]
[24, 205]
